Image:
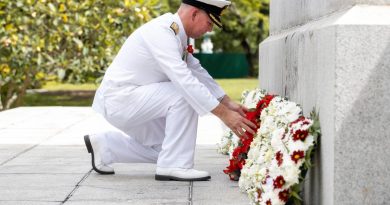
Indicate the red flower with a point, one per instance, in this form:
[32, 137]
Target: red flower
[300, 135]
[231, 168]
[239, 154]
[268, 202]
[301, 118]
[259, 193]
[252, 116]
[190, 49]
[246, 144]
[283, 195]
[297, 155]
[279, 158]
[279, 182]
[241, 163]
[264, 103]
[236, 152]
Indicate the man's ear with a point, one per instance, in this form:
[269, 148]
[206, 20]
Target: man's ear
[194, 13]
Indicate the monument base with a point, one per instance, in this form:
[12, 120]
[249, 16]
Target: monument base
[340, 64]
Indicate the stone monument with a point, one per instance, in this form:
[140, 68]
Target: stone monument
[335, 55]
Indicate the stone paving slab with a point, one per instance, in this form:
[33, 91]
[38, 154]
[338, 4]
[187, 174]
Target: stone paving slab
[8, 151]
[43, 160]
[2, 202]
[25, 136]
[36, 187]
[132, 202]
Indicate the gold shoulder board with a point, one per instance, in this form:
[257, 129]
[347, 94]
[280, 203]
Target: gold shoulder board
[175, 27]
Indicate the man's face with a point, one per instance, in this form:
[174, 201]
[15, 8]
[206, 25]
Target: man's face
[201, 24]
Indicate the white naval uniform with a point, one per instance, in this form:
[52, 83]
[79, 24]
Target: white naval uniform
[151, 94]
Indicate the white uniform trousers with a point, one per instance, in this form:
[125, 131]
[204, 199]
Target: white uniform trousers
[158, 125]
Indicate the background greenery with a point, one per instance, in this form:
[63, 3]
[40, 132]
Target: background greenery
[65, 94]
[75, 41]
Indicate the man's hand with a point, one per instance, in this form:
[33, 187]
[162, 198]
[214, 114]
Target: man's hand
[234, 119]
[234, 106]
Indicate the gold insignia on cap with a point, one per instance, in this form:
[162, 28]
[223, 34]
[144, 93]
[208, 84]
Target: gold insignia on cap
[215, 20]
[175, 27]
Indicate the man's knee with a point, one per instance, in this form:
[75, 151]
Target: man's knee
[182, 103]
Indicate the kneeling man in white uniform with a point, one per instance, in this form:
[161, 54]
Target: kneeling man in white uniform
[154, 91]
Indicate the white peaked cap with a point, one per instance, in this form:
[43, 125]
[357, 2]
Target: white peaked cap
[217, 3]
[213, 8]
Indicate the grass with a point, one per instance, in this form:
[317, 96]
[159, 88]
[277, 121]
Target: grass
[60, 94]
[55, 86]
[234, 87]
[55, 100]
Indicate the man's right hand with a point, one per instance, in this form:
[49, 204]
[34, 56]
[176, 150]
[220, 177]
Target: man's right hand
[234, 120]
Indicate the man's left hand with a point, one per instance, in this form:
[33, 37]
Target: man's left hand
[234, 106]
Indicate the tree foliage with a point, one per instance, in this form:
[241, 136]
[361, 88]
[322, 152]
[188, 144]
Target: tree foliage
[75, 41]
[245, 26]
[64, 39]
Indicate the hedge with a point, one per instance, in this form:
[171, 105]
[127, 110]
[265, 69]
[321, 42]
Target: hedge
[63, 40]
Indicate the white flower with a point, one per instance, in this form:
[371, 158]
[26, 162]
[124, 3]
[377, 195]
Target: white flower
[275, 199]
[268, 155]
[309, 142]
[223, 146]
[290, 110]
[275, 135]
[269, 185]
[226, 143]
[291, 175]
[296, 146]
[251, 98]
[253, 153]
[276, 138]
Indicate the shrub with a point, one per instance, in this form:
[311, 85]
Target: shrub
[67, 40]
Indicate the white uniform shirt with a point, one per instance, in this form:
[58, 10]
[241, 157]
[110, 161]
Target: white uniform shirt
[153, 54]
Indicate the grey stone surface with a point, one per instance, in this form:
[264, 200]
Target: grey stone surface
[338, 63]
[37, 202]
[45, 162]
[362, 114]
[25, 136]
[8, 151]
[12, 116]
[203, 193]
[137, 192]
[135, 202]
[36, 187]
[293, 13]
[50, 159]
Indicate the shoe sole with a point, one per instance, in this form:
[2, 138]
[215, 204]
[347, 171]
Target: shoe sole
[172, 178]
[90, 150]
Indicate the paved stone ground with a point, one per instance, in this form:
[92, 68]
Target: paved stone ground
[43, 161]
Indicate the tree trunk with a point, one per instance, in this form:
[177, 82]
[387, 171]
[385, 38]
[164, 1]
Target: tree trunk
[245, 45]
[23, 88]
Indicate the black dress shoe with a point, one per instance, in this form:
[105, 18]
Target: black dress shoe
[103, 169]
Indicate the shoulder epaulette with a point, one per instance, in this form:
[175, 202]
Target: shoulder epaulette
[175, 27]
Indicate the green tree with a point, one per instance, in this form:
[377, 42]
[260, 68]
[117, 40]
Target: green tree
[170, 5]
[245, 26]
[75, 41]
[66, 40]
